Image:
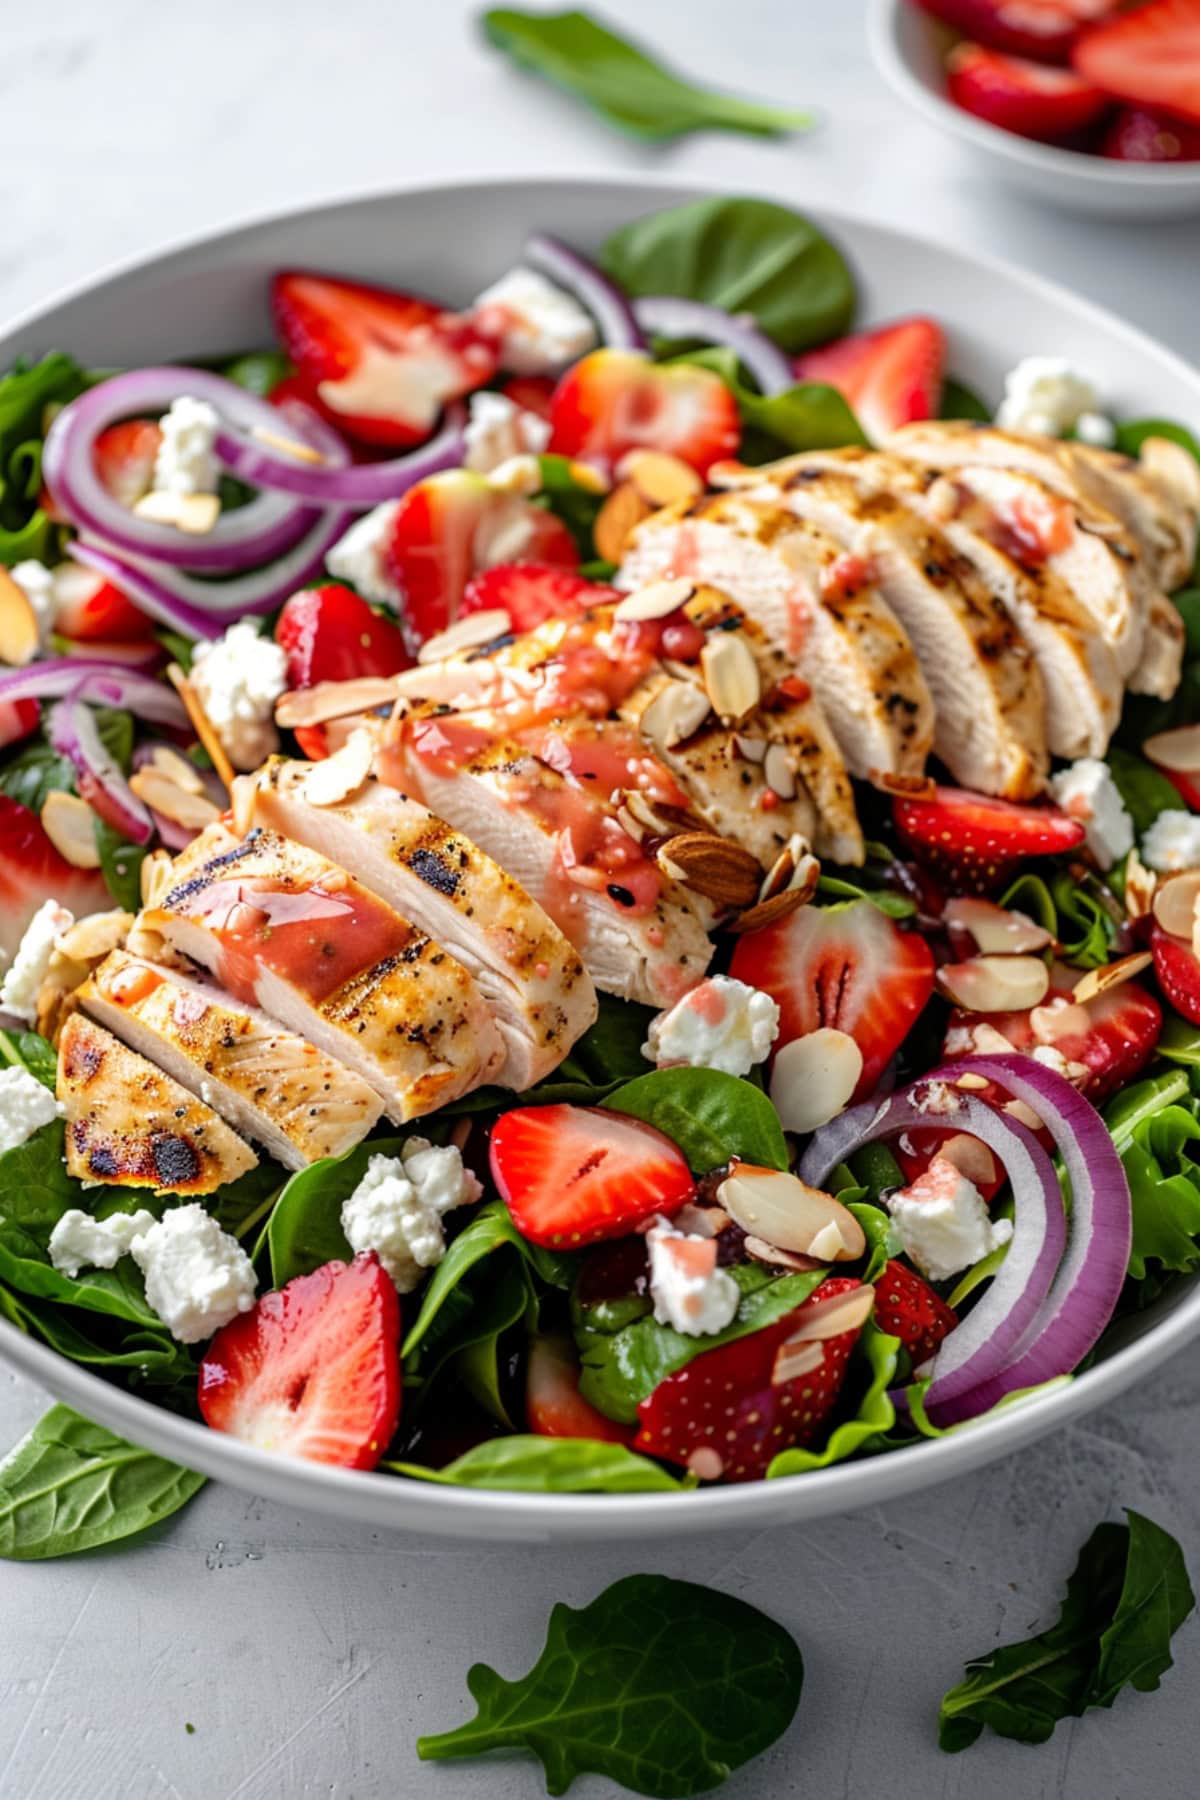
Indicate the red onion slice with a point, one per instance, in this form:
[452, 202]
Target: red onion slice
[108, 684]
[361, 485]
[609, 307]
[71, 729]
[666, 315]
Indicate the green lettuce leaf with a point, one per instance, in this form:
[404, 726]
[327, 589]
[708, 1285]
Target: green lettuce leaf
[713, 1117]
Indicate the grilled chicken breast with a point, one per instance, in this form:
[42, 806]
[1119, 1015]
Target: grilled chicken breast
[284, 929]
[816, 604]
[271, 1085]
[531, 976]
[130, 1125]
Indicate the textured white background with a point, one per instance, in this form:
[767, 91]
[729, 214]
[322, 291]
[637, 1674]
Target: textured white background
[309, 1656]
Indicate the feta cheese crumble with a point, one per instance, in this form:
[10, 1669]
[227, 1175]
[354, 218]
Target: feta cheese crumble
[30, 965]
[198, 1278]
[1096, 428]
[722, 1024]
[943, 1223]
[37, 583]
[186, 462]
[238, 679]
[26, 1104]
[498, 429]
[357, 557]
[544, 328]
[689, 1292]
[398, 1206]
[1172, 842]
[1044, 394]
[1087, 792]
[78, 1241]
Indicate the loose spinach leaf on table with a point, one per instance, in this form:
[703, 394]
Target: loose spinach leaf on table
[70, 1485]
[542, 1465]
[711, 1116]
[1127, 1597]
[663, 1686]
[623, 83]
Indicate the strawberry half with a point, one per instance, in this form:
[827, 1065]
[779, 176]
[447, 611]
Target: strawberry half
[531, 393]
[1042, 29]
[91, 610]
[1137, 135]
[1178, 972]
[572, 1175]
[849, 967]
[32, 872]
[907, 1307]
[613, 401]
[17, 719]
[124, 456]
[331, 634]
[1150, 56]
[976, 842]
[729, 1411]
[889, 376]
[1028, 98]
[554, 1407]
[530, 593]
[381, 362]
[313, 1370]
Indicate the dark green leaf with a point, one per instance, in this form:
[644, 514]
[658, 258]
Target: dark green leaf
[258, 371]
[1156, 1597]
[34, 772]
[623, 83]
[97, 1342]
[563, 494]
[491, 1228]
[712, 1117]
[542, 1465]
[121, 865]
[1134, 432]
[25, 394]
[1072, 909]
[1144, 789]
[885, 900]
[1157, 1135]
[661, 1685]
[27, 1050]
[473, 1356]
[1179, 1041]
[306, 1225]
[961, 402]
[809, 416]
[611, 1049]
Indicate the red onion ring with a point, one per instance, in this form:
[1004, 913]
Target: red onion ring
[668, 316]
[609, 307]
[361, 485]
[71, 729]
[109, 683]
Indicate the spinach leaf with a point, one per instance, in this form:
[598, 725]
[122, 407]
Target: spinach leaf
[745, 255]
[621, 82]
[1072, 909]
[1158, 1141]
[258, 371]
[26, 1050]
[873, 1414]
[121, 865]
[1133, 433]
[491, 1228]
[885, 900]
[882, 1240]
[542, 1465]
[664, 1686]
[150, 1356]
[961, 402]
[611, 1049]
[712, 1117]
[809, 416]
[25, 393]
[70, 1485]
[474, 1355]
[1127, 1597]
[305, 1231]
[1144, 789]
[576, 502]
[36, 770]
[1179, 1041]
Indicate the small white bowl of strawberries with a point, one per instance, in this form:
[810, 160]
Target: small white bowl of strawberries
[1090, 104]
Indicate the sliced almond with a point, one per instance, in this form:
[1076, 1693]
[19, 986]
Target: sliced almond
[468, 633]
[621, 513]
[19, 632]
[713, 866]
[975, 1083]
[336, 699]
[753, 749]
[1098, 981]
[1174, 905]
[826, 1319]
[656, 600]
[1141, 885]
[995, 983]
[653, 821]
[779, 773]
[155, 876]
[907, 787]
[783, 1210]
[275, 440]
[814, 1078]
[766, 912]
[759, 1250]
[1178, 749]
[341, 775]
[91, 939]
[1023, 1114]
[729, 473]
[181, 805]
[70, 824]
[969, 1156]
[794, 867]
[195, 514]
[520, 474]
[178, 769]
[202, 725]
[730, 676]
[996, 930]
[660, 479]
[792, 1360]
[677, 711]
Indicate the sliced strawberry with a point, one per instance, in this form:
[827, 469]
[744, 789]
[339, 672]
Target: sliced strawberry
[614, 401]
[1178, 971]
[91, 609]
[1028, 98]
[1042, 29]
[532, 393]
[850, 967]
[124, 457]
[889, 376]
[907, 1307]
[1150, 56]
[17, 719]
[572, 1175]
[382, 362]
[32, 872]
[331, 634]
[554, 1407]
[313, 1370]
[530, 593]
[313, 741]
[729, 1411]
[1137, 135]
[976, 842]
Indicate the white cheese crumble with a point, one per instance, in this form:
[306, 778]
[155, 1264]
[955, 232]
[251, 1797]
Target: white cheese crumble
[1172, 842]
[26, 1104]
[1044, 394]
[1096, 428]
[37, 583]
[943, 1223]
[30, 965]
[186, 462]
[1087, 792]
[358, 556]
[498, 429]
[688, 1290]
[238, 679]
[198, 1278]
[722, 1024]
[544, 328]
[398, 1206]
[78, 1241]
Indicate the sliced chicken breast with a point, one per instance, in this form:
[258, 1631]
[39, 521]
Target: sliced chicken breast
[271, 1085]
[531, 976]
[283, 929]
[129, 1125]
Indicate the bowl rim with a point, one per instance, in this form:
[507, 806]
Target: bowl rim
[513, 1513]
[883, 38]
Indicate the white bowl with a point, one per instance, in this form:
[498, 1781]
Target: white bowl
[209, 297]
[909, 46]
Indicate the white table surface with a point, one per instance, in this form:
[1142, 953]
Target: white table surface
[308, 1656]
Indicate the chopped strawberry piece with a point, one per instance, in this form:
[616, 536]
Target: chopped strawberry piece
[124, 456]
[331, 634]
[1178, 971]
[1042, 29]
[907, 1307]
[572, 1175]
[890, 376]
[313, 1370]
[1137, 135]
[613, 401]
[1028, 98]
[976, 842]
[849, 967]
[91, 609]
[530, 593]
[916, 1149]
[17, 719]
[313, 741]
[1150, 56]
[554, 1407]
[532, 393]
[382, 362]
[32, 872]
[730, 1410]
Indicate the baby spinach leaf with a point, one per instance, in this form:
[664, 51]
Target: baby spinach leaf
[570, 499]
[1132, 434]
[258, 371]
[151, 1356]
[745, 255]
[712, 1117]
[1072, 909]
[1127, 1597]
[809, 416]
[543, 1465]
[1144, 789]
[474, 1359]
[1158, 1141]
[25, 393]
[623, 83]
[1179, 1041]
[305, 1231]
[873, 1414]
[26, 1050]
[611, 1049]
[961, 402]
[885, 900]
[120, 864]
[36, 770]
[70, 1485]
[491, 1228]
[661, 1685]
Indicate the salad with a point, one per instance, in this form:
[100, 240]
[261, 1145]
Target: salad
[601, 888]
